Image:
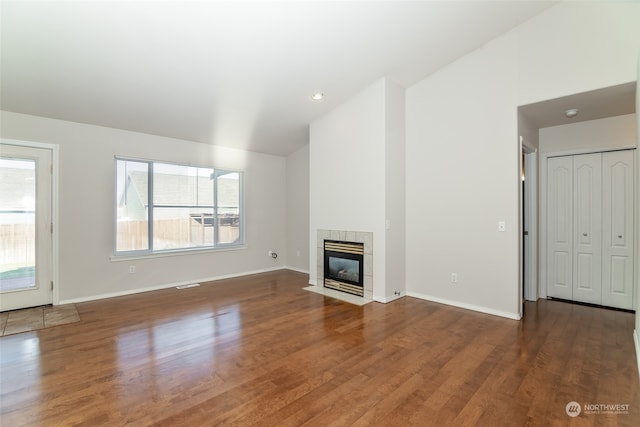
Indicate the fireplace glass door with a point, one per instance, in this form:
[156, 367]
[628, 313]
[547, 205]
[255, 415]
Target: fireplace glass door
[343, 266]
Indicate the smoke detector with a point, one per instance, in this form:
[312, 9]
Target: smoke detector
[571, 113]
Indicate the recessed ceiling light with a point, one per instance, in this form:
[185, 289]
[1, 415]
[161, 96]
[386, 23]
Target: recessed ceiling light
[571, 113]
[317, 96]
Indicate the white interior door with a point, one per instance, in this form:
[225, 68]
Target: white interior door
[25, 227]
[587, 227]
[618, 233]
[560, 227]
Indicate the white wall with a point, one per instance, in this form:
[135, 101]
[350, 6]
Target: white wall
[298, 210]
[462, 145]
[528, 131]
[394, 192]
[462, 178]
[86, 222]
[358, 180]
[606, 134]
[347, 180]
[576, 47]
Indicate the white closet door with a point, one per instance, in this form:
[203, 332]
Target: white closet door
[587, 228]
[618, 215]
[560, 227]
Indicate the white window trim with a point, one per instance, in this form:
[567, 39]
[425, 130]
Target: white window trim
[151, 253]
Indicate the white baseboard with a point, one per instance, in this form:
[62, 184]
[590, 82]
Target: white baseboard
[388, 299]
[164, 286]
[299, 270]
[481, 309]
[636, 340]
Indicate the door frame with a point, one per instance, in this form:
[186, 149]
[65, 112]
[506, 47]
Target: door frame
[530, 211]
[55, 241]
[542, 265]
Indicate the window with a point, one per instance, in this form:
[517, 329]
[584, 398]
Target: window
[164, 207]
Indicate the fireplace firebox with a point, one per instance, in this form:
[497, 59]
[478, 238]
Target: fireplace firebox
[343, 266]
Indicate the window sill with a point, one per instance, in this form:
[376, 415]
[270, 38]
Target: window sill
[178, 252]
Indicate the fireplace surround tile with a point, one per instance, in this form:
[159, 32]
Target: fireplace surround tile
[368, 264]
[367, 239]
[320, 260]
[368, 282]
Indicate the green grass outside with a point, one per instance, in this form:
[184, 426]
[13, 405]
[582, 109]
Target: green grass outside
[18, 272]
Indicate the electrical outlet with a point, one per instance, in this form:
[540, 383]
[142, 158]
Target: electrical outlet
[454, 277]
[132, 269]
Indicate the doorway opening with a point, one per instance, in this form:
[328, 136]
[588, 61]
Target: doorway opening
[534, 120]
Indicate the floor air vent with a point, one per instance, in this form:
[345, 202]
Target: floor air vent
[192, 285]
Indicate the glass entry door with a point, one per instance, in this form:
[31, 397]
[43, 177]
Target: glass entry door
[25, 227]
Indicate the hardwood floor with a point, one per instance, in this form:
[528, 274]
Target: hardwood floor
[259, 350]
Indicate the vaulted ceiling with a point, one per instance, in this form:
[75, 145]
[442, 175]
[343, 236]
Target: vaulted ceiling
[236, 74]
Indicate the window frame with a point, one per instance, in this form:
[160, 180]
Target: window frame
[240, 243]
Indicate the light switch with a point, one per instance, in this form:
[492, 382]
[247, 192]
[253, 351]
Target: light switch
[502, 226]
[387, 224]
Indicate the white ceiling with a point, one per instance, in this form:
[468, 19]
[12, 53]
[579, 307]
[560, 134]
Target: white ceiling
[596, 104]
[237, 74]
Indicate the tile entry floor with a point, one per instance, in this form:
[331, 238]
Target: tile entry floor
[31, 319]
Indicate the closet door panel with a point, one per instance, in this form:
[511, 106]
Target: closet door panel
[560, 227]
[587, 228]
[584, 272]
[618, 228]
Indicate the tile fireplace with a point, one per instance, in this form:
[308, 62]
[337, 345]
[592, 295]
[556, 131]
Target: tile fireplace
[345, 262]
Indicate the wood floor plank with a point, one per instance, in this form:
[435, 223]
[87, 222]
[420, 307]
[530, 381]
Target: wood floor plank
[260, 351]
